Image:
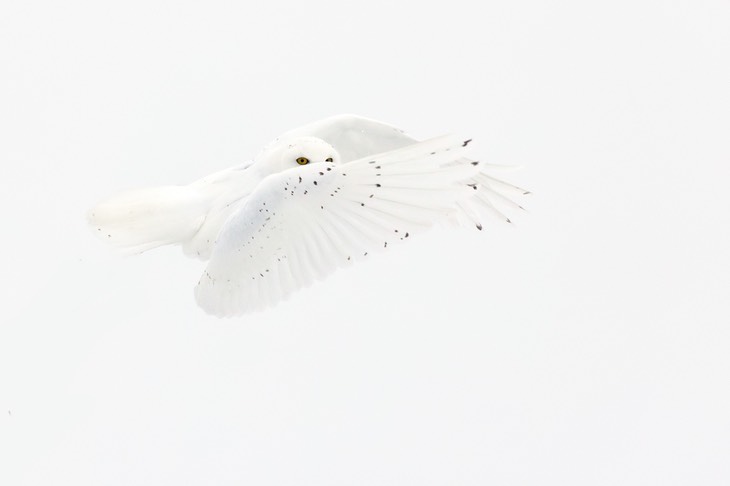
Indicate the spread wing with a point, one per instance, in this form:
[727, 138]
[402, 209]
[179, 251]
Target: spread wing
[304, 223]
[355, 137]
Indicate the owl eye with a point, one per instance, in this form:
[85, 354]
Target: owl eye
[328, 159]
[302, 161]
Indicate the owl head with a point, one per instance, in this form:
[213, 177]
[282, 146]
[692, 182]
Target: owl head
[297, 152]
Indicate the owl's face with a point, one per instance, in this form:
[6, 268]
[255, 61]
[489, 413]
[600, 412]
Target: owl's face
[304, 151]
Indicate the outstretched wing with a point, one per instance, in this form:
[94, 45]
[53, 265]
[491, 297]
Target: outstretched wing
[304, 223]
[355, 137]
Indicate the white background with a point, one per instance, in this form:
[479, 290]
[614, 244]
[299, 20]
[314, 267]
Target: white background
[587, 344]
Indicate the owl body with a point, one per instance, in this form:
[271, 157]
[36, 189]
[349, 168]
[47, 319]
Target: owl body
[317, 198]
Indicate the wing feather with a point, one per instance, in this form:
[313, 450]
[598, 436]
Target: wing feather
[304, 223]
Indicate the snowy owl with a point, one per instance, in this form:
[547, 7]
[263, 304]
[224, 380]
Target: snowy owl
[317, 198]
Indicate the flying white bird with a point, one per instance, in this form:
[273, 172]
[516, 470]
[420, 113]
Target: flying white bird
[315, 199]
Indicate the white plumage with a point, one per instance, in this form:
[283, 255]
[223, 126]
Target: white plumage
[317, 198]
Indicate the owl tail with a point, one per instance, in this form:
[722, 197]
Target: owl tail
[142, 219]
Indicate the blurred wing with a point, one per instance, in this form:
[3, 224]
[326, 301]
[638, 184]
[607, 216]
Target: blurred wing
[304, 223]
[353, 136]
[191, 215]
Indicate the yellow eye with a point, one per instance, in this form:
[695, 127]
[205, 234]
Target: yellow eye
[328, 159]
[302, 161]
